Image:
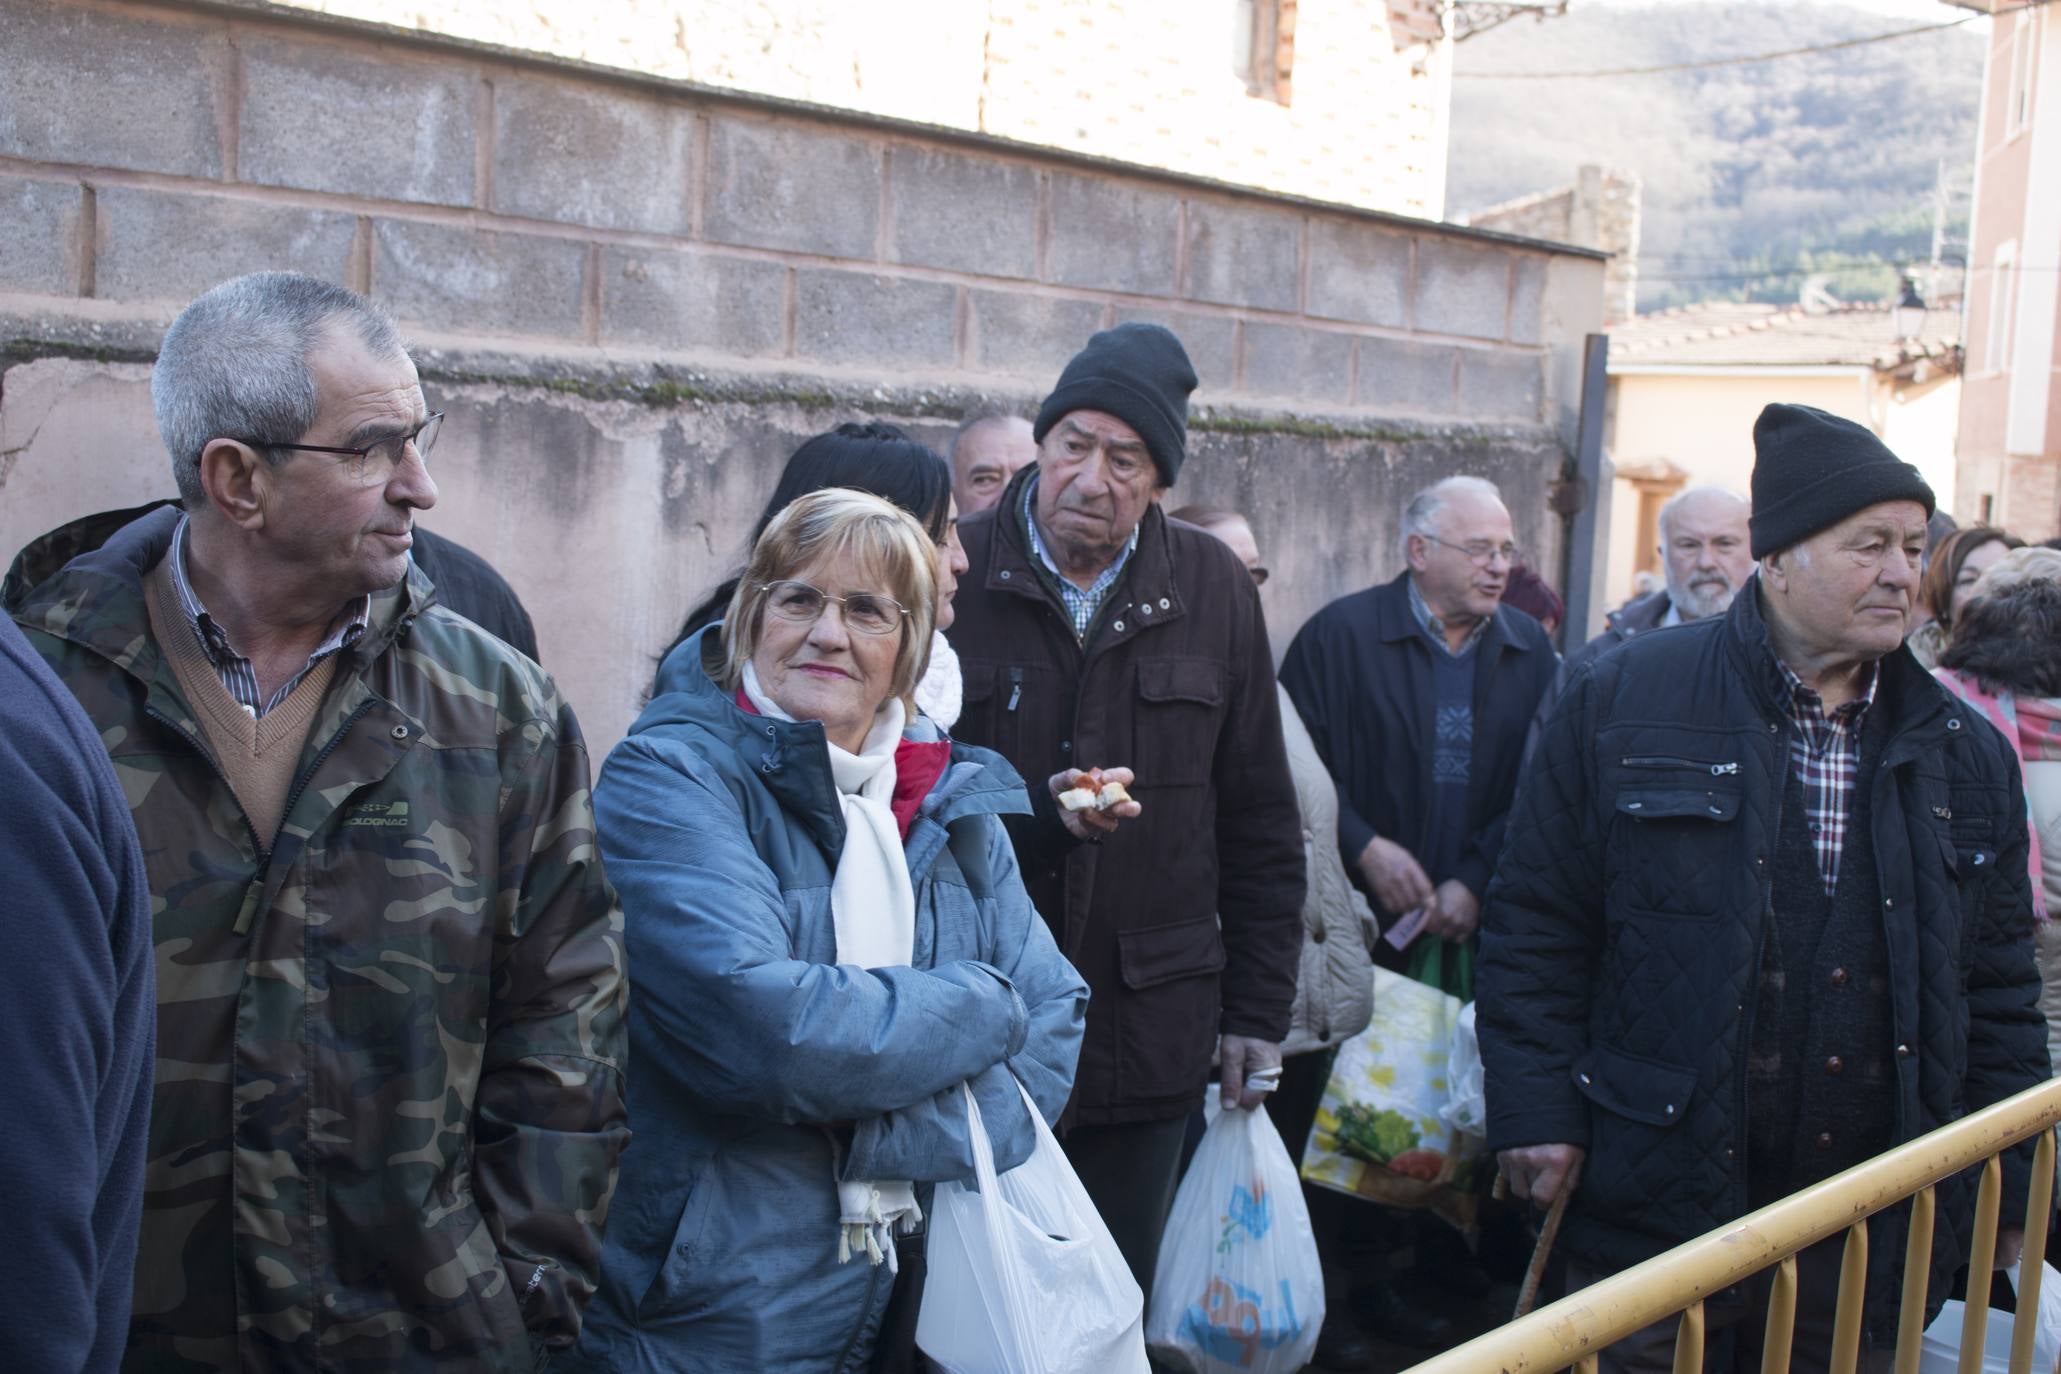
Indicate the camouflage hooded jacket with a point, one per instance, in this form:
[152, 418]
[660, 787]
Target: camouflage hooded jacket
[389, 1097]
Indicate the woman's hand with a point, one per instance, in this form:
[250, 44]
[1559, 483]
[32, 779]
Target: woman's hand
[1095, 823]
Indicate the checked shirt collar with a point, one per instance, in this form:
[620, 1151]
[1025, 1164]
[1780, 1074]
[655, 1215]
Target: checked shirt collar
[1824, 753]
[238, 677]
[1080, 605]
[1436, 628]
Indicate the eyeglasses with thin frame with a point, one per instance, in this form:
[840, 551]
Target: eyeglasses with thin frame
[1481, 554]
[379, 460]
[798, 603]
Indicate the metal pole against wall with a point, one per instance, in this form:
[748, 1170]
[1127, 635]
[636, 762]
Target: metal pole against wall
[1582, 553]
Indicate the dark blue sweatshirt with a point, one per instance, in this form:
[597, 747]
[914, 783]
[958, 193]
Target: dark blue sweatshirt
[78, 1020]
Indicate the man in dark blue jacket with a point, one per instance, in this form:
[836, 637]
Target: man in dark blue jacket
[1763, 911]
[1418, 695]
[78, 1011]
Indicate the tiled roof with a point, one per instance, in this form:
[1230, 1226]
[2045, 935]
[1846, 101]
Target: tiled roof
[1741, 334]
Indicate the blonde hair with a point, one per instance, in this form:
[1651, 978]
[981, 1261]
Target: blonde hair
[2017, 567]
[884, 540]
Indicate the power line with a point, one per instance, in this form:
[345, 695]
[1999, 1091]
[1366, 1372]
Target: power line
[1784, 273]
[1710, 63]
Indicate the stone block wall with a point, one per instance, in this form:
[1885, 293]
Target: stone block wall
[634, 297]
[1600, 210]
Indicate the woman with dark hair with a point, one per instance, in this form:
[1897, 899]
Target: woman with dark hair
[2005, 661]
[882, 460]
[1957, 561]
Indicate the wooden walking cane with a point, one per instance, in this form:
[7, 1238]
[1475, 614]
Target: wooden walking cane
[1528, 1295]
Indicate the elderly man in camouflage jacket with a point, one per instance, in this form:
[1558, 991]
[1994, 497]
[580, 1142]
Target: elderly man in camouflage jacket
[389, 1096]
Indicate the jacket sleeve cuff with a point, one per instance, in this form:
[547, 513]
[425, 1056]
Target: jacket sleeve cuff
[1557, 1125]
[1257, 1023]
[1473, 873]
[1019, 1012]
[1052, 833]
[1354, 834]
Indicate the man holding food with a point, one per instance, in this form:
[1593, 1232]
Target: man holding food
[1103, 643]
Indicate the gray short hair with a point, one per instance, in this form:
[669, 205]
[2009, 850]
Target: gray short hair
[979, 419]
[234, 365]
[1423, 511]
[1674, 503]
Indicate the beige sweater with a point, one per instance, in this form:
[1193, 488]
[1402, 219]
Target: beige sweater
[259, 755]
[1334, 986]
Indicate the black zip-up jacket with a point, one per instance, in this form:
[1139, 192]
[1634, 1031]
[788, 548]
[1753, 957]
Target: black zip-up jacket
[1628, 918]
[1187, 921]
[1359, 673]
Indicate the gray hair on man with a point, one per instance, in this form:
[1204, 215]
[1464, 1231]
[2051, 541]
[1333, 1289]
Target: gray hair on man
[1683, 497]
[979, 419]
[234, 365]
[1421, 515]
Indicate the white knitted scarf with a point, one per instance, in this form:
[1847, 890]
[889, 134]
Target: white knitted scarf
[941, 692]
[873, 909]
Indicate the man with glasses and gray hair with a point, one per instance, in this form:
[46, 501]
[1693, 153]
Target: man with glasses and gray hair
[1418, 695]
[389, 1096]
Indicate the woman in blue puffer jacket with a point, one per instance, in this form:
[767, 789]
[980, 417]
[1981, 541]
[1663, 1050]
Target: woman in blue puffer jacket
[827, 935]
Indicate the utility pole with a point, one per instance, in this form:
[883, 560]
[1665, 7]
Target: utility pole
[1952, 190]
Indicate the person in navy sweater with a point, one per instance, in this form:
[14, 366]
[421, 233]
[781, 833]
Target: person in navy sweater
[78, 1014]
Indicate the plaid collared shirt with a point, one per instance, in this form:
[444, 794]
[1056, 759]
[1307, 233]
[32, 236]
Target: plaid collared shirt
[1080, 605]
[239, 678]
[1436, 628]
[1825, 752]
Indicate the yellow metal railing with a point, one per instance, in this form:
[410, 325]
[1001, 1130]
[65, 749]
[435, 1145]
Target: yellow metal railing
[1571, 1332]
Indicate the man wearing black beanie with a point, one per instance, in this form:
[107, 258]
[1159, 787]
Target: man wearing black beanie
[1095, 633]
[1797, 927]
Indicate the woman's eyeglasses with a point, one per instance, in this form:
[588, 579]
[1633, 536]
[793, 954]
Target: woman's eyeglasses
[867, 613]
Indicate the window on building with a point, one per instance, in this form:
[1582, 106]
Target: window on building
[1988, 509]
[2003, 296]
[1263, 47]
[1412, 22]
[2024, 63]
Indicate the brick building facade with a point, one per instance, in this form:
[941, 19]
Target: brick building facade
[1343, 101]
[2010, 437]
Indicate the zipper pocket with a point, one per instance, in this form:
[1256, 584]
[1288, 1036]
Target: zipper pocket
[1716, 770]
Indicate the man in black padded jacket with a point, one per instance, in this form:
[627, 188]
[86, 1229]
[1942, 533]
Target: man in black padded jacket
[1763, 911]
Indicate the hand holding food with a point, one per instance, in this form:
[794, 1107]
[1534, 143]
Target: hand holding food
[1092, 800]
[1094, 792]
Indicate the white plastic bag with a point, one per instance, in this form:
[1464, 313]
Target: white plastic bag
[1941, 1352]
[1023, 1276]
[1466, 1110]
[1238, 1286]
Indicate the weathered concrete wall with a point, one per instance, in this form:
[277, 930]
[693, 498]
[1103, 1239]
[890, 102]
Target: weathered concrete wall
[635, 297]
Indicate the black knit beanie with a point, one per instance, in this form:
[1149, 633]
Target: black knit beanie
[1812, 469]
[1140, 374]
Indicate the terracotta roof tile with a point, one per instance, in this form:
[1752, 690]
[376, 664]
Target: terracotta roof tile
[1747, 334]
